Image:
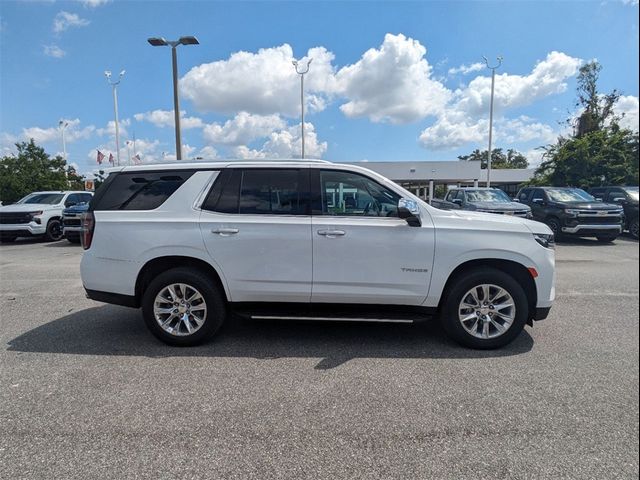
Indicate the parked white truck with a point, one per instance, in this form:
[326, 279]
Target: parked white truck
[312, 240]
[38, 215]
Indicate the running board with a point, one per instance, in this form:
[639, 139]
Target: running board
[335, 319]
[338, 312]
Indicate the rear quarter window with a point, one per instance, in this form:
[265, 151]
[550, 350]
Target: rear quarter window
[139, 190]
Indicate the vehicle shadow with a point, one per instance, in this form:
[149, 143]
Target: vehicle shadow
[112, 330]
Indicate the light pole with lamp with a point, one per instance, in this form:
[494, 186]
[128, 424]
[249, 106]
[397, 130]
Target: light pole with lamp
[302, 74]
[161, 42]
[493, 82]
[114, 87]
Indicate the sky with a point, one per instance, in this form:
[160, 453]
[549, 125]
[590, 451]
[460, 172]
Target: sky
[389, 80]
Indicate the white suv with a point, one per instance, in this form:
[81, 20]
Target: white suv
[39, 214]
[312, 240]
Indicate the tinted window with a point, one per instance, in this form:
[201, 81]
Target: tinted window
[257, 192]
[85, 197]
[460, 195]
[45, 198]
[524, 194]
[613, 194]
[72, 199]
[597, 192]
[537, 194]
[345, 193]
[140, 190]
[451, 195]
[569, 195]
[271, 192]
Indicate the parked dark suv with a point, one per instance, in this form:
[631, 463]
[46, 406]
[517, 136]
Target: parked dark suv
[572, 211]
[627, 197]
[489, 200]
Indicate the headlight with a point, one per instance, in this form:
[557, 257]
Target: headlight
[547, 241]
[572, 212]
[34, 216]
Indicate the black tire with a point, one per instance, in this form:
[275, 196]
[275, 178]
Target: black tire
[73, 238]
[8, 238]
[633, 229]
[214, 298]
[607, 238]
[467, 281]
[554, 224]
[54, 230]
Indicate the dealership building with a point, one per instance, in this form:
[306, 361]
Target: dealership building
[423, 177]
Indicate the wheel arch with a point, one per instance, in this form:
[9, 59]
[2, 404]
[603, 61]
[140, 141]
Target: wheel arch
[158, 265]
[516, 270]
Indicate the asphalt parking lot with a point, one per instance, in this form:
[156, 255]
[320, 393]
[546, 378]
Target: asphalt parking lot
[87, 392]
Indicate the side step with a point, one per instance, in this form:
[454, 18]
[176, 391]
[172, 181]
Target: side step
[333, 312]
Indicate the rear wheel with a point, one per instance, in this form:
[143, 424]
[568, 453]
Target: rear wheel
[54, 230]
[485, 309]
[183, 307]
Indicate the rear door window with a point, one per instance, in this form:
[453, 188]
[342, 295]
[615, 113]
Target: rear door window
[259, 191]
[140, 190]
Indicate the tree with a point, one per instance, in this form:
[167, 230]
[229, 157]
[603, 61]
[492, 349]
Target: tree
[599, 152]
[499, 160]
[32, 169]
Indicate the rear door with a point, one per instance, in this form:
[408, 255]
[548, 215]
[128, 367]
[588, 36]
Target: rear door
[362, 252]
[256, 226]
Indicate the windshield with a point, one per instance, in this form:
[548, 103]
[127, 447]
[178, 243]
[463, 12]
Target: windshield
[633, 192]
[487, 196]
[46, 198]
[569, 195]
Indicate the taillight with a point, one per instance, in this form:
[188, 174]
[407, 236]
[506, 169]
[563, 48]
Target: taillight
[88, 225]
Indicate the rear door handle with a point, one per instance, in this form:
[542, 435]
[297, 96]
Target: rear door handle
[332, 233]
[225, 232]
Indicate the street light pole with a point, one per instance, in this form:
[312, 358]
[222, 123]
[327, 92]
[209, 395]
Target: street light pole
[302, 74]
[161, 42]
[493, 82]
[63, 124]
[114, 88]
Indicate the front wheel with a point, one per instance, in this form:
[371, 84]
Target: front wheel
[54, 230]
[183, 307]
[606, 238]
[554, 224]
[485, 309]
[633, 229]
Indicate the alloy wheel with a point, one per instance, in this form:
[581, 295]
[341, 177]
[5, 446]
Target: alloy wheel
[487, 311]
[180, 309]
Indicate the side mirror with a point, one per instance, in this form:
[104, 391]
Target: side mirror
[598, 200]
[457, 201]
[516, 200]
[619, 200]
[410, 212]
[538, 201]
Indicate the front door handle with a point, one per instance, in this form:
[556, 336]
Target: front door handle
[225, 232]
[332, 233]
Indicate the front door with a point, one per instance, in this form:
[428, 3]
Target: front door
[362, 251]
[257, 228]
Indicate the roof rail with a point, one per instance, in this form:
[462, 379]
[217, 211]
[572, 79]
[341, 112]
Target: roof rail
[257, 160]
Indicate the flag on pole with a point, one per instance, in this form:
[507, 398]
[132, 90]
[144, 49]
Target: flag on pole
[100, 157]
[136, 159]
[111, 159]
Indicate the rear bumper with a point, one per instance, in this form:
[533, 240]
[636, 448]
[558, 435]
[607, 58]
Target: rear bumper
[74, 230]
[113, 298]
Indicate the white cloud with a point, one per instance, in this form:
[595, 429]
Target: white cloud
[165, 118]
[208, 153]
[286, 143]
[466, 69]
[243, 129]
[391, 84]
[627, 107]
[260, 83]
[93, 3]
[465, 119]
[65, 20]
[534, 157]
[53, 51]
[73, 132]
[8, 144]
[110, 129]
